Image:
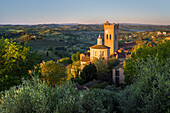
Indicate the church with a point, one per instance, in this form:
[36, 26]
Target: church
[103, 51]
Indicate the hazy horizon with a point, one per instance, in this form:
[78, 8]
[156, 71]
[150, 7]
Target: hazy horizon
[154, 12]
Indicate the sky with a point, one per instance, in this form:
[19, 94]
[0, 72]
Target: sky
[84, 11]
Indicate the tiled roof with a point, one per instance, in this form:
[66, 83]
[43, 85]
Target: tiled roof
[85, 59]
[99, 47]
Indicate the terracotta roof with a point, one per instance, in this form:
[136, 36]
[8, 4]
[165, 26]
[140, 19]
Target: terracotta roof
[99, 47]
[87, 53]
[85, 59]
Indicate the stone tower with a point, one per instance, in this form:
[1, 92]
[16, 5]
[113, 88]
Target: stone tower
[111, 36]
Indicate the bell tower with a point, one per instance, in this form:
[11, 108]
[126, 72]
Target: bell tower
[111, 36]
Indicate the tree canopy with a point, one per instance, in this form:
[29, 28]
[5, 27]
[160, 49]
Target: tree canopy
[15, 61]
[149, 91]
[161, 51]
[52, 72]
[89, 72]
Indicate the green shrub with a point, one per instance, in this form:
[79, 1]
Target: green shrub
[35, 96]
[99, 101]
[31, 96]
[150, 91]
[89, 73]
[100, 85]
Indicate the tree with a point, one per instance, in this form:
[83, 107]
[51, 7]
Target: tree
[162, 51]
[112, 62]
[101, 65]
[15, 61]
[52, 72]
[75, 57]
[66, 60]
[89, 72]
[150, 90]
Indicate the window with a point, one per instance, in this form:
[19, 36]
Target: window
[102, 53]
[95, 53]
[107, 36]
[110, 36]
[117, 77]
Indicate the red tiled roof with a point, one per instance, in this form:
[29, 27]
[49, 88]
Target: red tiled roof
[85, 59]
[99, 47]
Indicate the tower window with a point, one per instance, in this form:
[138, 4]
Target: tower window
[107, 36]
[110, 36]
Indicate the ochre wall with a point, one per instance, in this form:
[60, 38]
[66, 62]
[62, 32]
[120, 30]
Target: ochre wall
[92, 53]
[113, 42]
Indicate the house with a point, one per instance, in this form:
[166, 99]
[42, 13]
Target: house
[118, 74]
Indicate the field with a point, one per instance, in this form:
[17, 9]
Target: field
[64, 40]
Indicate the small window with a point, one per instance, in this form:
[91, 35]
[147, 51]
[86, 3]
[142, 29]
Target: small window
[107, 36]
[115, 37]
[102, 53]
[117, 77]
[95, 53]
[110, 36]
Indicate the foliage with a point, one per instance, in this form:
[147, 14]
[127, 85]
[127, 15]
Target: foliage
[99, 101]
[73, 70]
[75, 57]
[100, 85]
[162, 51]
[15, 61]
[89, 72]
[66, 60]
[150, 90]
[112, 62]
[78, 80]
[35, 96]
[52, 72]
[101, 65]
[31, 96]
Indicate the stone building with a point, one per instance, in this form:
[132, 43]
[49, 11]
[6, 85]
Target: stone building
[103, 51]
[99, 50]
[111, 36]
[118, 75]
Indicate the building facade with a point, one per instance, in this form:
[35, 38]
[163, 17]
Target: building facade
[111, 36]
[99, 50]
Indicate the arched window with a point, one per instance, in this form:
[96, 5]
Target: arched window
[110, 36]
[107, 36]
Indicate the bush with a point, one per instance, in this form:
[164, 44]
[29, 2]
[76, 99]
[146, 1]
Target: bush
[89, 73]
[99, 101]
[31, 96]
[100, 85]
[150, 91]
[35, 96]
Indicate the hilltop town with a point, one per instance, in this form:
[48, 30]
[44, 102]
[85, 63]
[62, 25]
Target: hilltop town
[84, 68]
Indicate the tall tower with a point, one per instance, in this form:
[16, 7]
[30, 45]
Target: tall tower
[111, 36]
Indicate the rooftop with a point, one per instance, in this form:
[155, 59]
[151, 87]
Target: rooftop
[99, 47]
[85, 59]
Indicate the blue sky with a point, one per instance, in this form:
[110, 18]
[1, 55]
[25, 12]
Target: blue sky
[84, 11]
